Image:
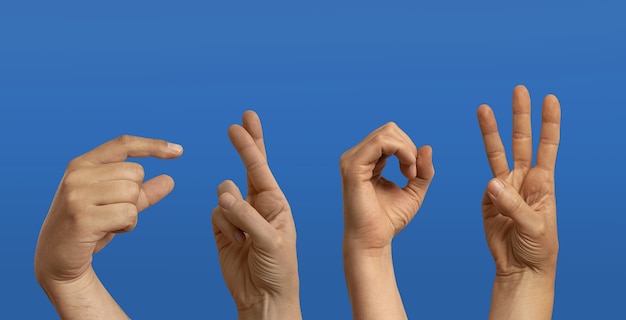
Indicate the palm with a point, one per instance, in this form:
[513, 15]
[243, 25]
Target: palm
[397, 206]
[249, 266]
[510, 245]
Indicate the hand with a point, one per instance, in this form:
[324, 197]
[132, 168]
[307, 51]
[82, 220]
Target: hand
[375, 210]
[256, 237]
[98, 197]
[519, 205]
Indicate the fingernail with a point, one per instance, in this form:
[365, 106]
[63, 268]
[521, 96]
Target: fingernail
[495, 187]
[226, 200]
[239, 237]
[174, 147]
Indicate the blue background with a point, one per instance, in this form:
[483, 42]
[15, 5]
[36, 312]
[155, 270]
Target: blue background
[321, 75]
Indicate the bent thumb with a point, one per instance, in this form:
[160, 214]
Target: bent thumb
[508, 201]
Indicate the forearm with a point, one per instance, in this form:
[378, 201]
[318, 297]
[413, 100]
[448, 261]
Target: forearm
[523, 295]
[371, 283]
[84, 298]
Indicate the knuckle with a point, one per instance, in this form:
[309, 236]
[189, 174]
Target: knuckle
[390, 126]
[132, 189]
[492, 154]
[214, 214]
[71, 180]
[549, 141]
[379, 139]
[344, 158]
[130, 216]
[278, 243]
[540, 228]
[344, 165]
[74, 202]
[74, 164]
[516, 205]
[124, 139]
[521, 135]
[258, 163]
[137, 171]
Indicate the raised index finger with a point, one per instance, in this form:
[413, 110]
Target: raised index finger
[126, 146]
[491, 138]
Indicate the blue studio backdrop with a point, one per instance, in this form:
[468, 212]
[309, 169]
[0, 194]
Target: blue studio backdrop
[321, 75]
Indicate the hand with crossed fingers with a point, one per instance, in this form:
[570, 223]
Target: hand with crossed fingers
[256, 236]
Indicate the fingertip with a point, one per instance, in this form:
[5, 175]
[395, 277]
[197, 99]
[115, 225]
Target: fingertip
[163, 183]
[552, 97]
[226, 200]
[175, 148]
[250, 114]
[484, 111]
[409, 171]
[239, 236]
[495, 187]
[232, 128]
[252, 123]
[225, 185]
[551, 111]
[425, 167]
[551, 100]
[520, 88]
[167, 179]
[224, 226]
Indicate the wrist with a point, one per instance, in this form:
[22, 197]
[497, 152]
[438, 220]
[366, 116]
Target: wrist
[353, 247]
[526, 282]
[271, 308]
[523, 295]
[57, 289]
[526, 277]
[81, 298]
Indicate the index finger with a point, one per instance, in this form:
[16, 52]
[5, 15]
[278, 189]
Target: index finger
[120, 148]
[491, 139]
[259, 172]
[364, 161]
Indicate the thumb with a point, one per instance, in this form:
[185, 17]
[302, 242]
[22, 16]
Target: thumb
[245, 217]
[153, 190]
[509, 203]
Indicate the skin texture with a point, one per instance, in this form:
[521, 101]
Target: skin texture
[256, 236]
[519, 211]
[375, 210]
[99, 196]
